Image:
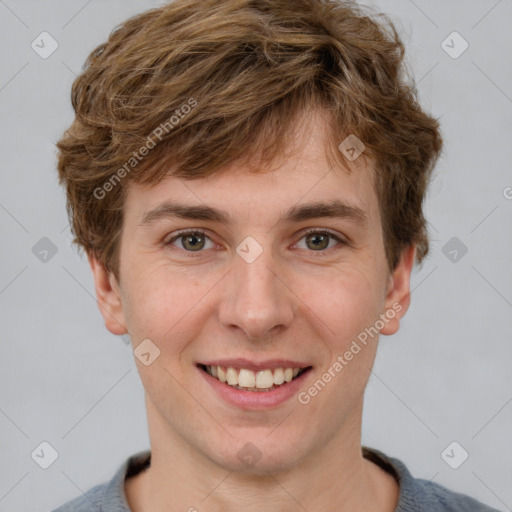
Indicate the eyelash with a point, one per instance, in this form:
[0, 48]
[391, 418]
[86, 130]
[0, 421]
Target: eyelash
[184, 233]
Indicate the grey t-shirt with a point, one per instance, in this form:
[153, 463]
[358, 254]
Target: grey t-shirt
[416, 495]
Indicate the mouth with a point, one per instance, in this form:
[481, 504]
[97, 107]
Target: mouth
[259, 380]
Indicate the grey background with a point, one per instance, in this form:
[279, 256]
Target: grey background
[446, 376]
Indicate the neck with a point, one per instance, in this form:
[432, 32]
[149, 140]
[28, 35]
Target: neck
[335, 477]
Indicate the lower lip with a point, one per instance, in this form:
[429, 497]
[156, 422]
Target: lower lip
[255, 400]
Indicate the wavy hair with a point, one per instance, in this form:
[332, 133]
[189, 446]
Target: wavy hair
[250, 66]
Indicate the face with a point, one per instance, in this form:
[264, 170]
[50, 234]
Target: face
[259, 289]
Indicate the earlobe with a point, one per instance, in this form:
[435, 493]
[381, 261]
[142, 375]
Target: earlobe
[108, 297]
[398, 296]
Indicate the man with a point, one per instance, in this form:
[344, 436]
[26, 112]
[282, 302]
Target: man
[247, 179]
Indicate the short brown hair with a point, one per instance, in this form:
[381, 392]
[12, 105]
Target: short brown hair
[248, 67]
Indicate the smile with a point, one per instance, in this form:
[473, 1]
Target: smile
[248, 380]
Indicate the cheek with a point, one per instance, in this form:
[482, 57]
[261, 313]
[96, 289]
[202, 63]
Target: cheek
[345, 305]
[159, 305]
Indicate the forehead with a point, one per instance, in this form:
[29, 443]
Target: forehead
[303, 176]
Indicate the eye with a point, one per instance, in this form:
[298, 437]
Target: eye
[318, 239]
[196, 240]
[192, 241]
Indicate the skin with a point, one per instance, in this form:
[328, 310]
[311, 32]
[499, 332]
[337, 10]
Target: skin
[294, 301]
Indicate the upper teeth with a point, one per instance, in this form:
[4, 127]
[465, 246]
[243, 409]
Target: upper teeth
[262, 379]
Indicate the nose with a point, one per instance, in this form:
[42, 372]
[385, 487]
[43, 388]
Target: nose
[256, 299]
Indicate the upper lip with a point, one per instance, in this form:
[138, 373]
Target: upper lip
[270, 364]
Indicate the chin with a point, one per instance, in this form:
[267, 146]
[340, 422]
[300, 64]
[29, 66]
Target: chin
[258, 456]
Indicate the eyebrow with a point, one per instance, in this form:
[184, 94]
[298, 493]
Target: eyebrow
[333, 209]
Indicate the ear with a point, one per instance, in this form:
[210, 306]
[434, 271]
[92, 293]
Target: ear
[108, 297]
[398, 295]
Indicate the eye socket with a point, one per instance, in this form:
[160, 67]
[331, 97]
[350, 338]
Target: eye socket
[201, 235]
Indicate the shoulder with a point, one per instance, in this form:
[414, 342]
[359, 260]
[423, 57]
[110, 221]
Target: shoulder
[432, 496]
[109, 496]
[419, 495]
[89, 502]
